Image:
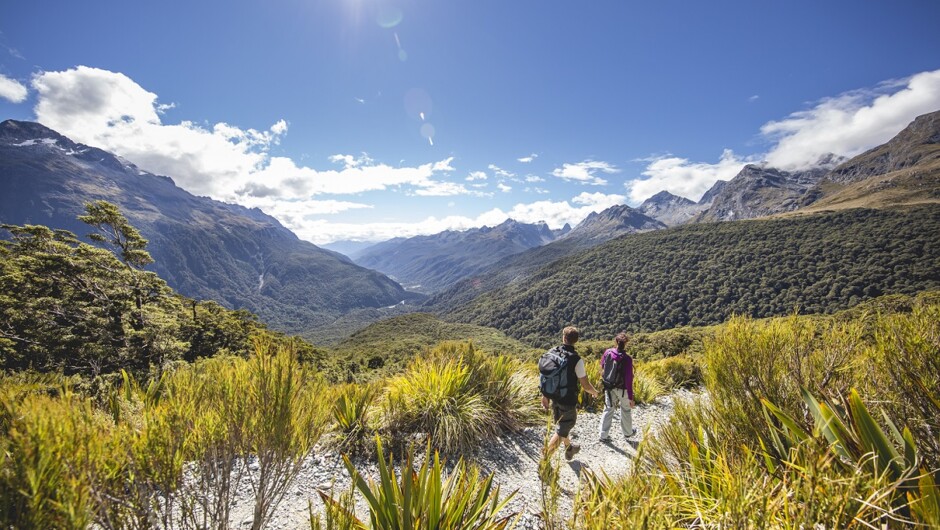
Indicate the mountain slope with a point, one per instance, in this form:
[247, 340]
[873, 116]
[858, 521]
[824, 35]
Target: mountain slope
[430, 263]
[701, 274]
[203, 248]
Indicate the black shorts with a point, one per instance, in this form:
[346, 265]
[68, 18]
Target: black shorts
[564, 416]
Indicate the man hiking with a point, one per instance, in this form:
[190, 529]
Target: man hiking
[617, 378]
[562, 374]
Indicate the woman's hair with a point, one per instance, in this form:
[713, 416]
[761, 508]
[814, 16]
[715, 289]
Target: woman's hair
[621, 339]
[570, 335]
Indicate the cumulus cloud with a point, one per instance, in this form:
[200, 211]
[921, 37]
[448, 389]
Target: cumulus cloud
[585, 172]
[503, 188]
[851, 123]
[534, 178]
[226, 162]
[528, 159]
[600, 201]
[683, 177]
[12, 90]
[476, 175]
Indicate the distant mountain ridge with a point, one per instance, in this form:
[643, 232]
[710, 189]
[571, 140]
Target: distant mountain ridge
[597, 228]
[430, 263]
[612, 222]
[203, 248]
[673, 210]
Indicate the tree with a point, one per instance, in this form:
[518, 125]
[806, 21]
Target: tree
[115, 230]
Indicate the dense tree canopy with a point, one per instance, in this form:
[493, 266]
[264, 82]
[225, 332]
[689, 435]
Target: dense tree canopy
[72, 307]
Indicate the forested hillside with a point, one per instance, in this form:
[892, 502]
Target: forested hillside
[69, 307]
[702, 274]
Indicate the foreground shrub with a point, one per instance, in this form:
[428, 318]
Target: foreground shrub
[906, 356]
[646, 388]
[673, 372]
[163, 455]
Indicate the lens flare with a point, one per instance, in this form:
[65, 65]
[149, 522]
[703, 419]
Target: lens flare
[427, 130]
[418, 104]
[389, 16]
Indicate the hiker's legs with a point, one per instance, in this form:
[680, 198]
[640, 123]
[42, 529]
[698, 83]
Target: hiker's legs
[611, 403]
[565, 417]
[626, 415]
[556, 441]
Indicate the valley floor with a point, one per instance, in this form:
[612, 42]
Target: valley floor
[513, 458]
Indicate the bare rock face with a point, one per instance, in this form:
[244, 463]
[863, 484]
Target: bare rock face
[613, 222]
[758, 191]
[669, 209]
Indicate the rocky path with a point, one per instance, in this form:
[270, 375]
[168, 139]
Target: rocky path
[512, 458]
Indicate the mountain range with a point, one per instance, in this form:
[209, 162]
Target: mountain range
[430, 263]
[203, 248]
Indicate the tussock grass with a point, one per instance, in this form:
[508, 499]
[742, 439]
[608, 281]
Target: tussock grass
[458, 397]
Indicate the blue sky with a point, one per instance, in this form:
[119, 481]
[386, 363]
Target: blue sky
[368, 119]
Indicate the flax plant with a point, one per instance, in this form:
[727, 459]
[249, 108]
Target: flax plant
[424, 499]
[352, 414]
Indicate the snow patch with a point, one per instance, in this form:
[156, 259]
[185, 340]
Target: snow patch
[32, 141]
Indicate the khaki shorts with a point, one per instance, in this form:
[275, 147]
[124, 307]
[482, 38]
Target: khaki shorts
[564, 416]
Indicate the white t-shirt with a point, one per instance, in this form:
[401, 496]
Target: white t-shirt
[579, 369]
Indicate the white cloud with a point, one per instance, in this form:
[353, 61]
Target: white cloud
[12, 90]
[503, 188]
[111, 111]
[527, 159]
[601, 201]
[446, 189]
[476, 175]
[585, 172]
[534, 178]
[682, 177]
[501, 173]
[753, 98]
[851, 123]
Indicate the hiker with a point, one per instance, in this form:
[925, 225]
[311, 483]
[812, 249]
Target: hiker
[561, 389]
[617, 378]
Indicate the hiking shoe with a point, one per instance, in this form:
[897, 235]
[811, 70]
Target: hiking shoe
[632, 434]
[571, 451]
[604, 439]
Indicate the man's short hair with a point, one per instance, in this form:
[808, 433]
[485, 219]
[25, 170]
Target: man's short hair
[570, 334]
[621, 339]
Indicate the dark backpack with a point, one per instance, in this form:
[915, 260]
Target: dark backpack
[615, 368]
[556, 376]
